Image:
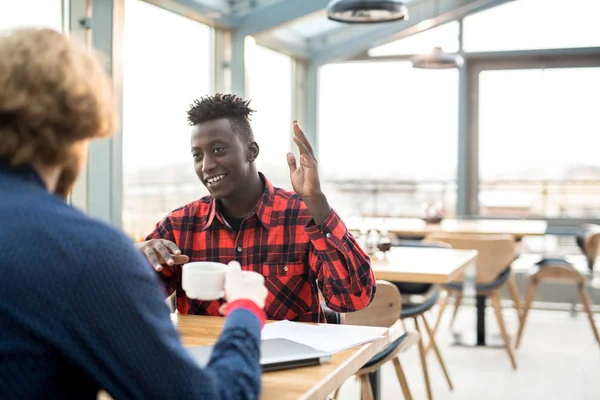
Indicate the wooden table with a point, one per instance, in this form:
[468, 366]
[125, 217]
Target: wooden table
[422, 264]
[306, 383]
[418, 228]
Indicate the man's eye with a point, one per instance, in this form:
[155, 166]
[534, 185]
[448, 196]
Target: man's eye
[197, 156]
[218, 149]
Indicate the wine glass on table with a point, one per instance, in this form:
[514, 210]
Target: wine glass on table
[384, 245]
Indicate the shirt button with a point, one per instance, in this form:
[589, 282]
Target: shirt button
[328, 235]
[285, 268]
[239, 249]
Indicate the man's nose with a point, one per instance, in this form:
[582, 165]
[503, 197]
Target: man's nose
[208, 164]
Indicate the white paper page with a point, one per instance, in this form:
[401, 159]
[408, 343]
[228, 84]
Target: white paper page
[328, 337]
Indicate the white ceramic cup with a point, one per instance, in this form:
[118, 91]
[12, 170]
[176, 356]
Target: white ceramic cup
[204, 280]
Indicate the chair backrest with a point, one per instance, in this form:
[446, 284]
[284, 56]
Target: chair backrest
[591, 247]
[495, 251]
[331, 317]
[384, 310]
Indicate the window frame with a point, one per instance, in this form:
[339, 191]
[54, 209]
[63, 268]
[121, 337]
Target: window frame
[475, 63]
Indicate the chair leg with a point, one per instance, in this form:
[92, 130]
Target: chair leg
[495, 297]
[528, 300]
[402, 379]
[443, 305]
[403, 325]
[457, 303]
[442, 308]
[423, 361]
[516, 298]
[585, 300]
[335, 394]
[365, 388]
[436, 350]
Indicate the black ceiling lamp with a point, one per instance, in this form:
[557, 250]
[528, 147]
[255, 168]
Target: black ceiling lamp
[366, 11]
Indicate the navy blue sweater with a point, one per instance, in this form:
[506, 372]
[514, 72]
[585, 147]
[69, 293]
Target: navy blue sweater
[82, 310]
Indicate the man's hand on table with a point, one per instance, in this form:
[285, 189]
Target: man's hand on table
[161, 252]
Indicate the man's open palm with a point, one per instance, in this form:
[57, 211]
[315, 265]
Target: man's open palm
[305, 177]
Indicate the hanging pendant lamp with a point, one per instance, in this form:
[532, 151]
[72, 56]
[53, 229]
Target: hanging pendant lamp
[437, 59]
[366, 11]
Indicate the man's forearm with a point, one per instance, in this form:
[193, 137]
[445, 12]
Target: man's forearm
[342, 267]
[318, 207]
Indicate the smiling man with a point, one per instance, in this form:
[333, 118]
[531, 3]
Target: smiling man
[295, 240]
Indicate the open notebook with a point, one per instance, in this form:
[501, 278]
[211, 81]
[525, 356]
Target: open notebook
[276, 354]
[287, 344]
[330, 338]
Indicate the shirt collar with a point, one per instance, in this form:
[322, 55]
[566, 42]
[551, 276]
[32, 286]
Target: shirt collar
[24, 172]
[262, 210]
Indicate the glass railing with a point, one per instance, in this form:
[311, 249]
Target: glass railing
[540, 199]
[148, 199]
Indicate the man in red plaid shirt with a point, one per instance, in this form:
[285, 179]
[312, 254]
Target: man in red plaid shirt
[295, 240]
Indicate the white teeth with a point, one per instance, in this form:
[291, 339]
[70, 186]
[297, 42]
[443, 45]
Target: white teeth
[215, 179]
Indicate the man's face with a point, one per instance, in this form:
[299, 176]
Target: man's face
[222, 158]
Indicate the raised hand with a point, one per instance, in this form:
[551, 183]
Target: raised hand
[304, 177]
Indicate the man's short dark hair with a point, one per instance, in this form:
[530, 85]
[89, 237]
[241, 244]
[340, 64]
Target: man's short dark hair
[229, 106]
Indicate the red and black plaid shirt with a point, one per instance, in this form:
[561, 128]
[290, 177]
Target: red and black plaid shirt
[279, 240]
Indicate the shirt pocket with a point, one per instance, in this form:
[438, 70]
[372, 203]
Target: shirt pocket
[282, 269]
[290, 294]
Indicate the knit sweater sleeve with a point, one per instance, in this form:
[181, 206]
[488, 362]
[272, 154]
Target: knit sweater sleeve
[123, 337]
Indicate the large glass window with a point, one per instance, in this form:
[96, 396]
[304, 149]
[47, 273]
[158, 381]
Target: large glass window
[535, 131]
[444, 36]
[31, 13]
[270, 88]
[534, 24]
[388, 137]
[167, 62]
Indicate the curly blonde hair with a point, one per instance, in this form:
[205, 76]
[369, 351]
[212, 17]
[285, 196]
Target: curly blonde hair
[54, 93]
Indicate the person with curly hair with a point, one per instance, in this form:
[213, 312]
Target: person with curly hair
[80, 309]
[295, 240]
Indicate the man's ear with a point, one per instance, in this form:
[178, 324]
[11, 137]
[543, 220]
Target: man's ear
[253, 151]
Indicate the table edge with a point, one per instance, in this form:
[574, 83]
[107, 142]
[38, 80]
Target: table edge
[316, 391]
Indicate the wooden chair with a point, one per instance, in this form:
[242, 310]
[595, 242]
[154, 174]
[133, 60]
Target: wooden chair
[416, 311]
[556, 269]
[383, 311]
[496, 252]
[589, 243]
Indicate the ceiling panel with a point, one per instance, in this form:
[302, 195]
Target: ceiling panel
[301, 27]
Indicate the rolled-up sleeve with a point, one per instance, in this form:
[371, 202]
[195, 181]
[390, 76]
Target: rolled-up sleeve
[342, 268]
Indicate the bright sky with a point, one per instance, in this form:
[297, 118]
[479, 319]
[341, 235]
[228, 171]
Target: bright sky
[377, 121]
[538, 122]
[388, 121]
[30, 13]
[166, 66]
